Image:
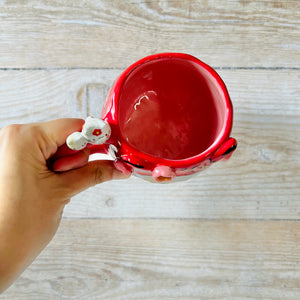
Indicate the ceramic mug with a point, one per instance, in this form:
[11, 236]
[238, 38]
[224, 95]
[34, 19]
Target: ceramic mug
[167, 116]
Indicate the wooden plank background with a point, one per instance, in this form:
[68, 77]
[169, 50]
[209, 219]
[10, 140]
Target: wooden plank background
[230, 233]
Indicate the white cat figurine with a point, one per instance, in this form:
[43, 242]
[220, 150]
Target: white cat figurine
[95, 131]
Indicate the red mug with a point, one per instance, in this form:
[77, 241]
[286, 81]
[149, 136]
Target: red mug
[167, 116]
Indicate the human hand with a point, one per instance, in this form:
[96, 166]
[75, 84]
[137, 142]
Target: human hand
[32, 196]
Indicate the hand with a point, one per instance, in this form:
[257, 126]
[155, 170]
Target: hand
[32, 197]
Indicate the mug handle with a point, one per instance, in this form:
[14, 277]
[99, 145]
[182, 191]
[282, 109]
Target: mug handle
[64, 153]
[94, 135]
[225, 151]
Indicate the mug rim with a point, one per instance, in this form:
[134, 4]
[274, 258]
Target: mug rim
[135, 154]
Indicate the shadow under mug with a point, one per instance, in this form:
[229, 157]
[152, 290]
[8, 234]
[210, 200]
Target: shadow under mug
[170, 116]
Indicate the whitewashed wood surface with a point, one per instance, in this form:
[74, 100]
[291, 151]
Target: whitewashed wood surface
[115, 33]
[166, 259]
[230, 233]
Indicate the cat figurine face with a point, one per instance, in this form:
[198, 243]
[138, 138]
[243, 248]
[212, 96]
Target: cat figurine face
[96, 131]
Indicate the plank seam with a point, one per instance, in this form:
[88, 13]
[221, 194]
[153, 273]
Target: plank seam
[97, 68]
[185, 219]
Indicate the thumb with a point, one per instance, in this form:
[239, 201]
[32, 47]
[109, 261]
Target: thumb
[75, 181]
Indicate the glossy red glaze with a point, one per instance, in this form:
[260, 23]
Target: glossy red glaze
[169, 109]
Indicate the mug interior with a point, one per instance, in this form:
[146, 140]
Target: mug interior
[171, 108]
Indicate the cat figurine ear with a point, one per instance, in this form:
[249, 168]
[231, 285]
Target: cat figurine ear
[94, 131]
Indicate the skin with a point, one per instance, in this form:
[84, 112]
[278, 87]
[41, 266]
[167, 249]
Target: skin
[38, 177]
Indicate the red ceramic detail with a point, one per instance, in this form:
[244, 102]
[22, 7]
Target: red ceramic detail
[97, 132]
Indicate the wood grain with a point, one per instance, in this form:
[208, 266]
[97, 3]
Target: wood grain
[166, 259]
[261, 181]
[106, 34]
[232, 233]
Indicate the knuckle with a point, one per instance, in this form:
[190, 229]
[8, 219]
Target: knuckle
[31, 130]
[11, 130]
[98, 175]
[10, 133]
[34, 132]
[20, 130]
